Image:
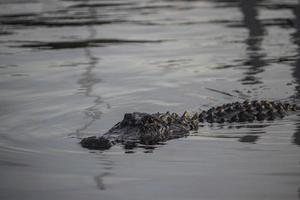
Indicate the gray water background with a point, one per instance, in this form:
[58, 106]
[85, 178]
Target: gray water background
[72, 68]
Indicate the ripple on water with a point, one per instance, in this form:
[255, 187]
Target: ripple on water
[89, 62]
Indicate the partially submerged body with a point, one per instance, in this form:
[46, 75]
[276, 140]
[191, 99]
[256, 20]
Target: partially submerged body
[150, 129]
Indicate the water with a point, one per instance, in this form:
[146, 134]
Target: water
[71, 68]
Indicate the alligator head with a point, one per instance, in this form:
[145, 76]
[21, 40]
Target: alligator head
[142, 128]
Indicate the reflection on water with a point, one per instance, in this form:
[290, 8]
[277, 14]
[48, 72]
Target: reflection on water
[88, 80]
[254, 40]
[147, 56]
[12, 164]
[99, 180]
[249, 132]
[296, 73]
[256, 60]
[78, 44]
[249, 138]
[107, 166]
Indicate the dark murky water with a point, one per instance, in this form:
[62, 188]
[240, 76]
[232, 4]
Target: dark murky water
[72, 68]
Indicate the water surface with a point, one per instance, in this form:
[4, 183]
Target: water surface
[72, 68]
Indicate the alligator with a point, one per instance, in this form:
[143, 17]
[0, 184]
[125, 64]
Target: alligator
[151, 129]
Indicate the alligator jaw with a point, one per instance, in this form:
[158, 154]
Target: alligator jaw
[95, 143]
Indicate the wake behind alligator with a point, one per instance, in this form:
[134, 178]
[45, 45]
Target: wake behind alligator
[151, 129]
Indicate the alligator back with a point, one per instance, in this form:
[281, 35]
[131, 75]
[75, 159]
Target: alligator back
[150, 129]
